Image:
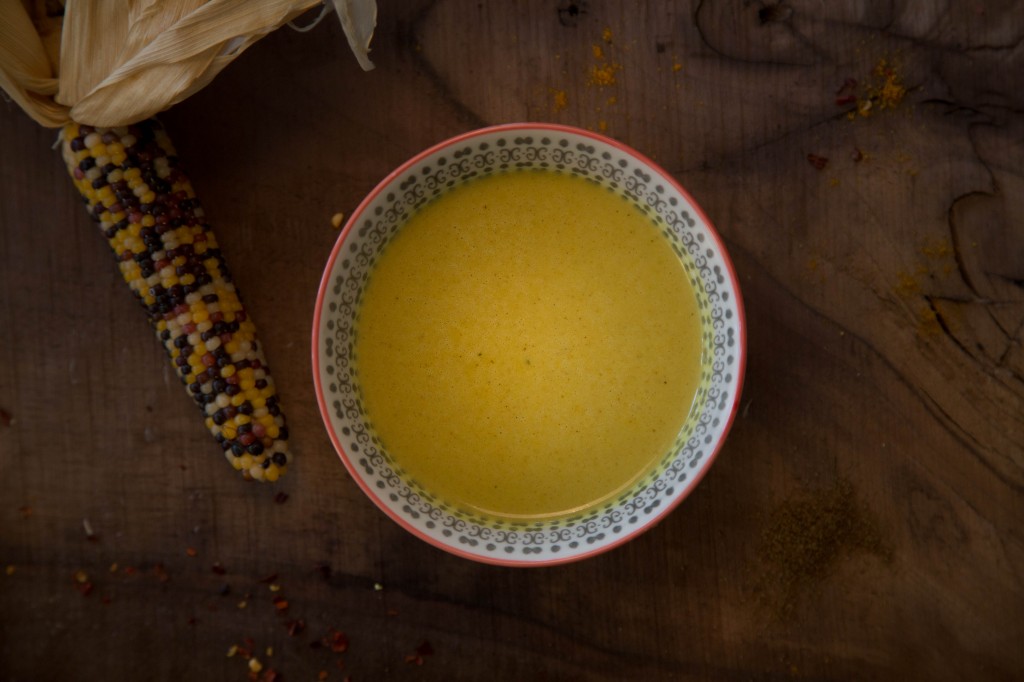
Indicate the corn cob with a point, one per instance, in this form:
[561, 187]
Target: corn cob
[134, 188]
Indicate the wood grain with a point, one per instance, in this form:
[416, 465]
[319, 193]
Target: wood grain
[885, 305]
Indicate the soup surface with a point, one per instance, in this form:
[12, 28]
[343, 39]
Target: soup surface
[528, 345]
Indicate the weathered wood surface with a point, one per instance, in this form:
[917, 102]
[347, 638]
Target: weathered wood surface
[863, 521]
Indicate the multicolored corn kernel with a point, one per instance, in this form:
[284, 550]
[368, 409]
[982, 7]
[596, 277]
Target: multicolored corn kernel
[135, 190]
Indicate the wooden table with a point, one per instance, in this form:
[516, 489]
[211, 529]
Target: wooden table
[863, 520]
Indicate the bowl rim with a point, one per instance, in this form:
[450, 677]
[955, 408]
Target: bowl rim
[402, 169]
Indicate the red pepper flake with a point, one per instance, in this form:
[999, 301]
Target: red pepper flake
[847, 93]
[269, 579]
[818, 162]
[106, 599]
[295, 627]
[322, 675]
[857, 155]
[130, 570]
[218, 568]
[337, 640]
[271, 675]
[25, 511]
[392, 612]
[161, 573]
[281, 497]
[191, 551]
[280, 603]
[422, 651]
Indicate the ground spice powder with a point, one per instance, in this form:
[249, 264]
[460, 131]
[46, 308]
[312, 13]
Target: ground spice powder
[806, 538]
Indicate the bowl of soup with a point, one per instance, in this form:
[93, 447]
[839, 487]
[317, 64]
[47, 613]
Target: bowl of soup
[528, 344]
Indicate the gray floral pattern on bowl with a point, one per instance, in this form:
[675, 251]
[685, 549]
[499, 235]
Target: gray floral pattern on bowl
[505, 149]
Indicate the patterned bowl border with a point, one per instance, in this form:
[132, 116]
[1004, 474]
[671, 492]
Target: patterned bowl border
[494, 150]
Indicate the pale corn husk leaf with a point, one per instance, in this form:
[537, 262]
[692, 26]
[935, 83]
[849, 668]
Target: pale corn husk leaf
[121, 61]
[359, 19]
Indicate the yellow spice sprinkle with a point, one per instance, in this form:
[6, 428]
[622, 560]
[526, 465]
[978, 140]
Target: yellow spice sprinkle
[337, 219]
[232, 650]
[255, 665]
[561, 100]
[603, 74]
[10, 569]
[606, 35]
[598, 52]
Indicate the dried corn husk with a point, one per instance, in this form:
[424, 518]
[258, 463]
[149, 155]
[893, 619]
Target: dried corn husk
[115, 62]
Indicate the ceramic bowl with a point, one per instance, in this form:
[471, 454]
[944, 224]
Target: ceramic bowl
[379, 217]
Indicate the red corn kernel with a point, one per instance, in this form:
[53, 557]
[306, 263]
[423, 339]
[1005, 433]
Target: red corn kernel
[247, 439]
[189, 328]
[78, 174]
[180, 309]
[259, 430]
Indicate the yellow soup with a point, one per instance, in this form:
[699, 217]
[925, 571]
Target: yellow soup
[528, 345]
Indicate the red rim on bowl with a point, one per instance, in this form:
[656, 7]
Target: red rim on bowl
[739, 347]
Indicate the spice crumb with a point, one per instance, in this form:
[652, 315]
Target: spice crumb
[10, 569]
[113, 567]
[378, 587]
[255, 665]
[274, 587]
[606, 35]
[337, 219]
[322, 675]
[281, 497]
[603, 75]
[6, 419]
[560, 100]
[242, 604]
[191, 551]
[232, 650]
